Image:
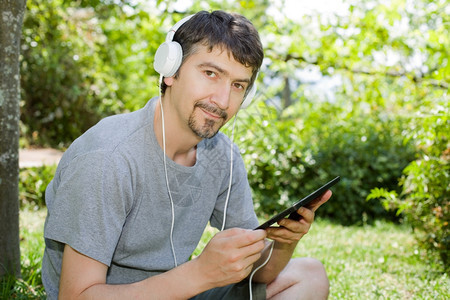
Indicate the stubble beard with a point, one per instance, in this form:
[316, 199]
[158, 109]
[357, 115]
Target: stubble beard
[206, 128]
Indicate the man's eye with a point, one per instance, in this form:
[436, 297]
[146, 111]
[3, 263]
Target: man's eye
[239, 86]
[210, 73]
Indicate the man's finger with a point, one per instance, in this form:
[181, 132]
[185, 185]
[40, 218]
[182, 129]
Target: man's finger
[320, 200]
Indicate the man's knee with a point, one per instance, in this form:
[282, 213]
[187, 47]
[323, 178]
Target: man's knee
[313, 269]
[302, 278]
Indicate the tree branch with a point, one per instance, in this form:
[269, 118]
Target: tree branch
[390, 73]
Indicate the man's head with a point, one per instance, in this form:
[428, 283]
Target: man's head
[229, 32]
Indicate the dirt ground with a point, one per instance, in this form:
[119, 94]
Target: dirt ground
[38, 157]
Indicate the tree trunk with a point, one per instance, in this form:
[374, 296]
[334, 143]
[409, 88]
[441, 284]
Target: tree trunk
[286, 97]
[11, 18]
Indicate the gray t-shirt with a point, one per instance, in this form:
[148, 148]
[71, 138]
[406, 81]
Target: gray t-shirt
[109, 200]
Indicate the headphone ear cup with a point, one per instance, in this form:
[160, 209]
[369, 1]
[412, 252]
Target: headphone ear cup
[249, 97]
[168, 58]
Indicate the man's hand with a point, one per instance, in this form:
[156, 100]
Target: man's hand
[230, 255]
[291, 231]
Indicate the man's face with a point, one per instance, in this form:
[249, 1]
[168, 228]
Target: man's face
[208, 90]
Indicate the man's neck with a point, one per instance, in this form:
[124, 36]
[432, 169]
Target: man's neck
[181, 145]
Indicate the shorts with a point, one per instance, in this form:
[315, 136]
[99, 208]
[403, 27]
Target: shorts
[238, 290]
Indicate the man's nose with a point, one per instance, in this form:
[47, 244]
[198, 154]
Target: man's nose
[221, 96]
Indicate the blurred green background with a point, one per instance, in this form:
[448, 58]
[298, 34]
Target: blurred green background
[351, 88]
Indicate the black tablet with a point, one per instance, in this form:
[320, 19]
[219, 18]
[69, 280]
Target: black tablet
[292, 211]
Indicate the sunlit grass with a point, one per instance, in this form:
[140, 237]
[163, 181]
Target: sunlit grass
[31, 251]
[380, 261]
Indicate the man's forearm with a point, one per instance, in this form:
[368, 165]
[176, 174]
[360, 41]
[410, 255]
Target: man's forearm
[183, 282]
[281, 254]
[226, 259]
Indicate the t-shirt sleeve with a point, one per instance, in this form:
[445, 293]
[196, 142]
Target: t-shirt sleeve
[89, 205]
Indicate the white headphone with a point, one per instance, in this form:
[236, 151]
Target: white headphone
[169, 55]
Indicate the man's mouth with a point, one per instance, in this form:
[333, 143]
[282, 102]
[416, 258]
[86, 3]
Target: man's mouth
[213, 111]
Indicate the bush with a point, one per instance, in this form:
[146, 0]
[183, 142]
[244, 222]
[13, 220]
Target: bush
[424, 200]
[63, 93]
[367, 150]
[290, 155]
[32, 184]
[80, 64]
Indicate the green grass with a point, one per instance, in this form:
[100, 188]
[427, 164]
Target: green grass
[380, 261]
[31, 251]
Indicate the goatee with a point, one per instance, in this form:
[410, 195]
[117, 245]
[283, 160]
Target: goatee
[207, 130]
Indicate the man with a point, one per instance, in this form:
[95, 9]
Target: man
[131, 197]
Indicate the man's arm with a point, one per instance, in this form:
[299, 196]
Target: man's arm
[85, 278]
[228, 258]
[286, 238]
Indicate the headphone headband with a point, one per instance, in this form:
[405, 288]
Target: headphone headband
[171, 33]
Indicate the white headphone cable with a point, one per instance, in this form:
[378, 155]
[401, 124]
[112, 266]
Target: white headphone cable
[231, 174]
[259, 267]
[167, 177]
[226, 207]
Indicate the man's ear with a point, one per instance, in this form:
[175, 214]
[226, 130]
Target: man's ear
[168, 80]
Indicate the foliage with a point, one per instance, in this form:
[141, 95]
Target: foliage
[366, 150]
[63, 91]
[424, 201]
[289, 156]
[386, 60]
[83, 60]
[80, 64]
[17, 288]
[390, 60]
[32, 184]
[31, 251]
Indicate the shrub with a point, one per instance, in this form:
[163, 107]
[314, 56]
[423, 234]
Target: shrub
[291, 154]
[63, 91]
[32, 184]
[81, 62]
[424, 200]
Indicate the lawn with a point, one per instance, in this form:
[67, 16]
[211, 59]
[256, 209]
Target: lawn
[380, 261]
